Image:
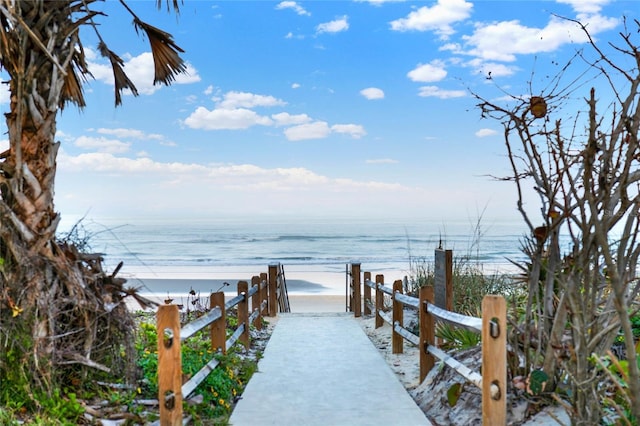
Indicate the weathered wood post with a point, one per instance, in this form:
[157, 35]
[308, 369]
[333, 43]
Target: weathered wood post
[379, 300]
[444, 279]
[219, 328]
[243, 313]
[357, 299]
[427, 331]
[367, 294]
[255, 302]
[494, 360]
[273, 294]
[264, 292]
[397, 340]
[169, 365]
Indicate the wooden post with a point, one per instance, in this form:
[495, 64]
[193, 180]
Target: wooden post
[219, 327]
[427, 332]
[379, 300]
[494, 360]
[255, 302]
[444, 279]
[169, 365]
[357, 301]
[367, 294]
[243, 313]
[273, 295]
[397, 340]
[449, 279]
[264, 292]
[348, 285]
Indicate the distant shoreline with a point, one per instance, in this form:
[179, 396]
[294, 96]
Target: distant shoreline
[204, 281]
[177, 286]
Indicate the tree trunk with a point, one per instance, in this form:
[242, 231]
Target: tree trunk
[56, 295]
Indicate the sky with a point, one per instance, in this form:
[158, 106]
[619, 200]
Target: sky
[313, 108]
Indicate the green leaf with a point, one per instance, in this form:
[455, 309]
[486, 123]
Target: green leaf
[453, 394]
[536, 382]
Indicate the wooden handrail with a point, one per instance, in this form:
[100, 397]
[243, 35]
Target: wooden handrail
[170, 388]
[407, 300]
[463, 321]
[492, 382]
[193, 327]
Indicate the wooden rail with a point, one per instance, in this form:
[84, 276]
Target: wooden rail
[171, 390]
[492, 326]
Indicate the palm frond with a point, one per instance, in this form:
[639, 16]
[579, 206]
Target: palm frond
[121, 81]
[166, 59]
[72, 89]
[76, 76]
[175, 3]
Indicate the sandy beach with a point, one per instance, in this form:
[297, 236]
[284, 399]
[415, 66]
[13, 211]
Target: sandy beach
[309, 289]
[298, 303]
[301, 279]
[304, 296]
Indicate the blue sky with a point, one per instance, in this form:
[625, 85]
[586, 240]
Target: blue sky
[327, 108]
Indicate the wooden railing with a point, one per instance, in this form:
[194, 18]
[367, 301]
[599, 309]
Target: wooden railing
[492, 326]
[171, 390]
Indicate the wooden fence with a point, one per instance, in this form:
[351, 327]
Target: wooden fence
[263, 294]
[492, 326]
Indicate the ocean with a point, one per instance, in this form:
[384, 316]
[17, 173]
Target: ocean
[312, 250]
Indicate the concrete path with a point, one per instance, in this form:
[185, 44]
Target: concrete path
[322, 369]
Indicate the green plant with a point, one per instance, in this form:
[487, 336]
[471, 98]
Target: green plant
[457, 338]
[617, 399]
[219, 391]
[470, 282]
[61, 405]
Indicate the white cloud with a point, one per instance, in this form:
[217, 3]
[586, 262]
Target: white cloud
[379, 2]
[129, 134]
[111, 146]
[220, 118]
[233, 177]
[107, 162]
[294, 6]
[286, 119]
[428, 73]
[436, 92]
[248, 100]
[291, 35]
[586, 6]
[503, 41]
[209, 90]
[381, 161]
[295, 86]
[321, 130]
[232, 112]
[356, 131]
[4, 94]
[315, 130]
[483, 133]
[437, 18]
[140, 70]
[372, 93]
[299, 175]
[492, 69]
[335, 26]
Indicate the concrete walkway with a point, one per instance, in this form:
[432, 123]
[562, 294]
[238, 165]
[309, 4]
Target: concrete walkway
[322, 369]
